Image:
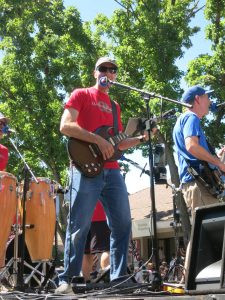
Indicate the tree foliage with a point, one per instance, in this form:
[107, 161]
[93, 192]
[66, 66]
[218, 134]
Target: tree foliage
[45, 50]
[147, 37]
[48, 51]
[209, 69]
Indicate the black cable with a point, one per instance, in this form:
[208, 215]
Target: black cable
[70, 209]
[56, 259]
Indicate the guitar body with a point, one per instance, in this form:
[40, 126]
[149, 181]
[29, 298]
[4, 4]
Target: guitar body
[215, 179]
[87, 157]
[213, 176]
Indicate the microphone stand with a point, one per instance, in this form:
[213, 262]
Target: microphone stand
[148, 94]
[20, 279]
[136, 165]
[156, 281]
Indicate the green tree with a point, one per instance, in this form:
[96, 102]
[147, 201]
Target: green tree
[47, 51]
[209, 69]
[147, 37]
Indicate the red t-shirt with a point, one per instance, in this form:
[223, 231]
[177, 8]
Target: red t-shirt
[95, 111]
[4, 155]
[99, 213]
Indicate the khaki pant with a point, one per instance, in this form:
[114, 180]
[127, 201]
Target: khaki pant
[195, 195]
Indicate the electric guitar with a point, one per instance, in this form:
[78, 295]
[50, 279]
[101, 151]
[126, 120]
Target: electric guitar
[212, 178]
[87, 157]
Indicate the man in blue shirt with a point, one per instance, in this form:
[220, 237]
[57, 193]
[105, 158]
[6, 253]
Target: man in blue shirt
[192, 148]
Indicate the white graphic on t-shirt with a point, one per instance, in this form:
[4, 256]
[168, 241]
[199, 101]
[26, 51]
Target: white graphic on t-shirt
[103, 106]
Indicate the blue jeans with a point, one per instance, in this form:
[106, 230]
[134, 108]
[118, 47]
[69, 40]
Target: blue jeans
[110, 188]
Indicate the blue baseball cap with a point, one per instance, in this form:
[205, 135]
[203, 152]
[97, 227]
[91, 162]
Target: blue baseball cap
[193, 91]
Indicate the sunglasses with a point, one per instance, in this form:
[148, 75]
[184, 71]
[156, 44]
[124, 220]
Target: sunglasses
[2, 123]
[103, 69]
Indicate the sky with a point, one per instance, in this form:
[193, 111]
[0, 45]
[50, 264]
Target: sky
[88, 10]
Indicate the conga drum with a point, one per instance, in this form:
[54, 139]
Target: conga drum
[41, 215]
[8, 202]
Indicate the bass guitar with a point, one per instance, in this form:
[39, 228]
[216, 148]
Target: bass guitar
[212, 178]
[215, 179]
[87, 157]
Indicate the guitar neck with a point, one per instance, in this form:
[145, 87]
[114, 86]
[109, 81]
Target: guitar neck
[116, 139]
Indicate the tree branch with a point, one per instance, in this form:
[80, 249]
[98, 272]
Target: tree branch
[193, 12]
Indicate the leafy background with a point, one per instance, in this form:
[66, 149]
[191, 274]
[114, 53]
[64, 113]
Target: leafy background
[48, 51]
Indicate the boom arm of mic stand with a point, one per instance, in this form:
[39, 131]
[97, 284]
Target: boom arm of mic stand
[144, 171]
[137, 166]
[149, 94]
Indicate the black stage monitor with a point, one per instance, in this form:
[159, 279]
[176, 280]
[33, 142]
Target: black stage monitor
[207, 249]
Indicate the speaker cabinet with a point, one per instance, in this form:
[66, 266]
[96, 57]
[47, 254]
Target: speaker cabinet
[207, 249]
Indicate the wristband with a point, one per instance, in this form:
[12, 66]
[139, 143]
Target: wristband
[142, 140]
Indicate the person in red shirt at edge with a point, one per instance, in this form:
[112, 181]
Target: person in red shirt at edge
[98, 240]
[4, 153]
[87, 110]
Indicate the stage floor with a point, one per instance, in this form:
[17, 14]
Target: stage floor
[100, 295]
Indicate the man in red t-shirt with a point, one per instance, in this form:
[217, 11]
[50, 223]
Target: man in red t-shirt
[87, 110]
[4, 153]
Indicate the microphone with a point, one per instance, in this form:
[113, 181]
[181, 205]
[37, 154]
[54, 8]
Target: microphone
[169, 114]
[214, 107]
[7, 130]
[103, 81]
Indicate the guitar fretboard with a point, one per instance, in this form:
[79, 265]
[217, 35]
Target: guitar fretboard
[114, 140]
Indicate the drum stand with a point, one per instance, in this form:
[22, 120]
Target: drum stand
[14, 260]
[18, 278]
[41, 278]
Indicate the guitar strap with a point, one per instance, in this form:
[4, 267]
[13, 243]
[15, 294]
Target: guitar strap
[200, 179]
[115, 118]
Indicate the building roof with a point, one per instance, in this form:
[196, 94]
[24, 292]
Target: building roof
[140, 203]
